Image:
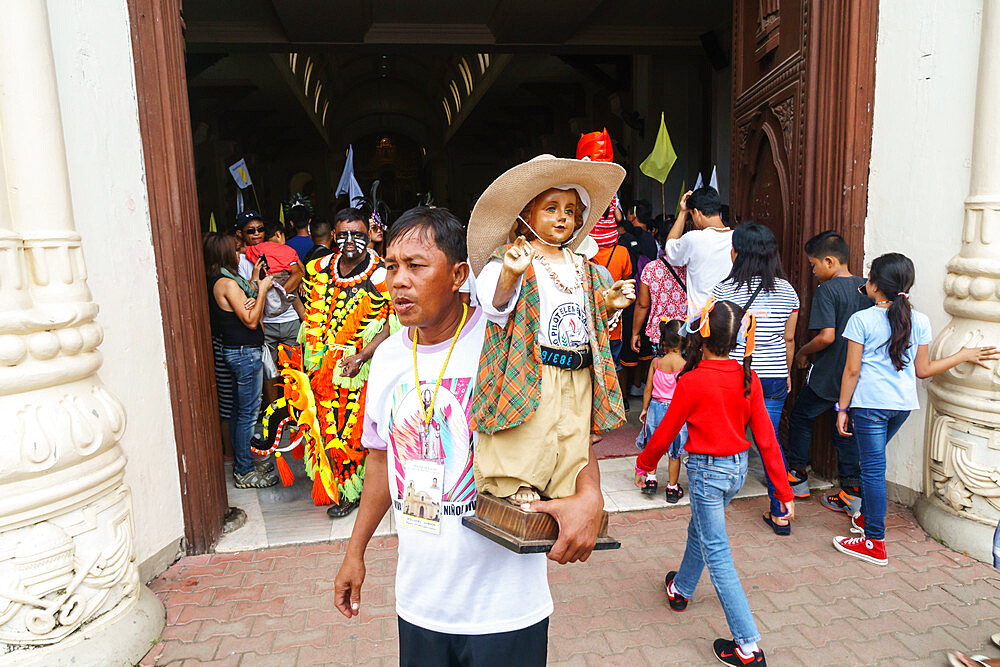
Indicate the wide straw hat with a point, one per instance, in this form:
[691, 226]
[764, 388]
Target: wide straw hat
[495, 214]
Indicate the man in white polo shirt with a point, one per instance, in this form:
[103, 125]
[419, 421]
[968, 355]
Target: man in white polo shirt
[706, 250]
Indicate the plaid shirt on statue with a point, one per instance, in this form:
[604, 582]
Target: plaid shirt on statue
[508, 384]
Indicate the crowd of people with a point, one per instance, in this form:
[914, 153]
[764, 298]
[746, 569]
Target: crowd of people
[707, 346]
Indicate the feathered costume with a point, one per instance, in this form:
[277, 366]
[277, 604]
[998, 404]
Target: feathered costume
[343, 315]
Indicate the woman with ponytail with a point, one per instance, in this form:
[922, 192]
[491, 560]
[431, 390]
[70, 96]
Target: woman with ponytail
[886, 352]
[717, 397]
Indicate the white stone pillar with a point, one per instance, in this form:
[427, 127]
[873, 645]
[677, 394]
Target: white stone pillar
[67, 562]
[961, 505]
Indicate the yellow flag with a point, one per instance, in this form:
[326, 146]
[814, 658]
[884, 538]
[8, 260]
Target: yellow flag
[659, 162]
[211, 222]
[281, 213]
[678, 211]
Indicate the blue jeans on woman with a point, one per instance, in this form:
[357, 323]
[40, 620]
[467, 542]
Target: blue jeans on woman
[775, 394]
[246, 365]
[713, 482]
[873, 429]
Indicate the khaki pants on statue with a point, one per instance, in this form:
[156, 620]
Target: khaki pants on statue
[549, 450]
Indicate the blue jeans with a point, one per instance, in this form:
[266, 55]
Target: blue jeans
[996, 547]
[616, 354]
[873, 429]
[808, 406]
[775, 394]
[713, 482]
[657, 411]
[246, 365]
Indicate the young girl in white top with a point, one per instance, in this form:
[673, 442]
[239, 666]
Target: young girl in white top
[660, 385]
[886, 352]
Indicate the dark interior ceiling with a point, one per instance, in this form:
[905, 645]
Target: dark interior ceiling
[567, 24]
[375, 79]
[388, 67]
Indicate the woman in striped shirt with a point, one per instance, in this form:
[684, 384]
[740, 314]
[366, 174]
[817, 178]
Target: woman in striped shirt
[757, 282]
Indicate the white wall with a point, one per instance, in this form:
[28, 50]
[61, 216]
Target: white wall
[925, 87]
[94, 68]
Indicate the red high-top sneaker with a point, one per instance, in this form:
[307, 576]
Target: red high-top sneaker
[872, 551]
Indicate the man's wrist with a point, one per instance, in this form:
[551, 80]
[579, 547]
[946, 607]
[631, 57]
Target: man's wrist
[355, 553]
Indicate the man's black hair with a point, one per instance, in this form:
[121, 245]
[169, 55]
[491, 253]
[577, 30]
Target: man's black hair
[350, 214]
[319, 230]
[298, 215]
[271, 228]
[828, 244]
[643, 210]
[705, 199]
[446, 231]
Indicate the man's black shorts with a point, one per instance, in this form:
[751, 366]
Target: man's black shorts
[419, 647]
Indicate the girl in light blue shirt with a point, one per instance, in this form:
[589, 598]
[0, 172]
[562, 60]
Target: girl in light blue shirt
[886, 353]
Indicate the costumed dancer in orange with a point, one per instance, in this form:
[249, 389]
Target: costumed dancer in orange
[348, 314]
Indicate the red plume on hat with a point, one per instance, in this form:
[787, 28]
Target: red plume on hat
[595, 146]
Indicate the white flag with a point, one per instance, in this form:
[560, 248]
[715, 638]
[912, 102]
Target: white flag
[698, 183]
[714, 181]
[240, 174]
[348, 185]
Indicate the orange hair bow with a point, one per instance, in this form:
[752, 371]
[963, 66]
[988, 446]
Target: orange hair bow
[748, 334]
[701, 317]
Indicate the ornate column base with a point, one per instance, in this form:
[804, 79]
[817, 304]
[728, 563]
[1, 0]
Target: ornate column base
[969, 537]
[119, 640]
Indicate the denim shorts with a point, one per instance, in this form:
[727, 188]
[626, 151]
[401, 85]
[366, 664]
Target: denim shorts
[657, 411]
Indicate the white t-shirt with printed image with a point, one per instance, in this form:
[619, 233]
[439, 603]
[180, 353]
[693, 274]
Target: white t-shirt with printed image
[562, 315]
[456, 582]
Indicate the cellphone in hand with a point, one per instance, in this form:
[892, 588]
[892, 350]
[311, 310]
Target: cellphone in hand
[263, 267]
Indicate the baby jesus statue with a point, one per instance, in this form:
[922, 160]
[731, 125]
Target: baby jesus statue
[546, 378]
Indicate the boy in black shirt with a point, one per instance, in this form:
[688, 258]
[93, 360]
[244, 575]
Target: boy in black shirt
[835, 300]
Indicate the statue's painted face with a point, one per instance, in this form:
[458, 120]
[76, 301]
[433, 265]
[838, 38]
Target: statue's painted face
[351, 238]
[554, 215]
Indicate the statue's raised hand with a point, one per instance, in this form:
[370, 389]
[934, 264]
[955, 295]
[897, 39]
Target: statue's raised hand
[518, 257]
[620, 295]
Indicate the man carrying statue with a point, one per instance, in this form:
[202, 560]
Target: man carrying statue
[461, 598]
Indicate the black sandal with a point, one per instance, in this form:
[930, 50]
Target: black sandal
[649, 488]
[778, 528]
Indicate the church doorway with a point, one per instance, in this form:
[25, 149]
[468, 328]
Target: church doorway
[437, 100]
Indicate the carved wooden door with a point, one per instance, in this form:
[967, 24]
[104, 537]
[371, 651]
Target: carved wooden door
[803, 91]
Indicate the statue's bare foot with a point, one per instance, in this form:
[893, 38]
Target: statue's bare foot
[525, 494]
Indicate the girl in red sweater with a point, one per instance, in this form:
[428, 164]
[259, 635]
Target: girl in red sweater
[717, 397]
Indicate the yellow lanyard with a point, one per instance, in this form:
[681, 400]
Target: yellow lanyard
[427, 412]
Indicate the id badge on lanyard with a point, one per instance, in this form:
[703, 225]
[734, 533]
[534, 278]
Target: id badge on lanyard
[423, 477]
[423, 484]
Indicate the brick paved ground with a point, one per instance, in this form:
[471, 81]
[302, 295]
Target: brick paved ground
[813, 605]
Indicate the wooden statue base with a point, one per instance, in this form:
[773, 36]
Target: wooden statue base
[520, 531]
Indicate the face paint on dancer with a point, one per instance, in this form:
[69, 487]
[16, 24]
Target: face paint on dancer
[352, 243]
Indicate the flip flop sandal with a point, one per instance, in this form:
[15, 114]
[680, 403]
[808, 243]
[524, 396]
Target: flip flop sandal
[777, 527]
[959, 659]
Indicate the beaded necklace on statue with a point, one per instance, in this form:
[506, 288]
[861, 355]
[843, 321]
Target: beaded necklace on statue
[358, 279]
[578, 273]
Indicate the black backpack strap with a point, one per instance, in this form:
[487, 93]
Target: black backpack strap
[674, 273]
[754, 296]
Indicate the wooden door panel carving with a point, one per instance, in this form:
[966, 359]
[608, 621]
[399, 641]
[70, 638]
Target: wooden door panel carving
[803, 92]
